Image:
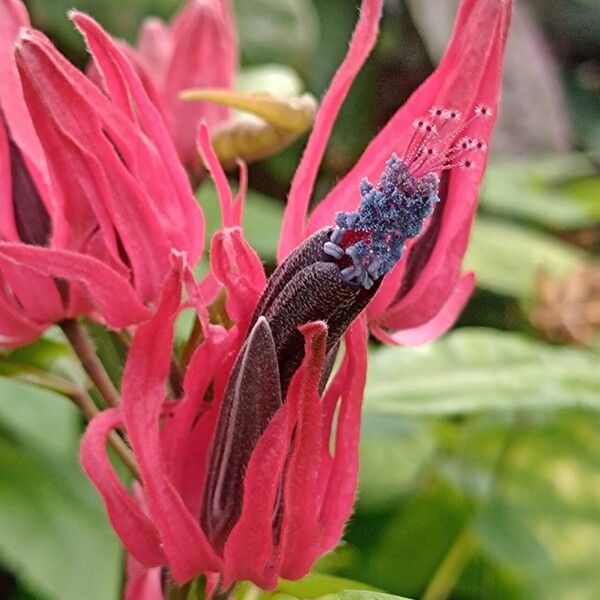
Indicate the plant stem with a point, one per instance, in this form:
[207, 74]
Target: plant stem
[176, 377]
[448, 573]
[124, 453]
[86, 405]
[444, 579]
[178, 593]
[194, 590]
[84, 348]
[82, 400]
[221, 594]
[192, 343]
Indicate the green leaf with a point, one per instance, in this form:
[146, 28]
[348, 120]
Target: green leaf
[414, 542]
[50, 353]
[313, 586]
[507, 257]
[557, 192]
[38, 418]
[406, 445]
[542, 522]
[287, 29]
[262, 219]
[507, 536]
[121, 19]
[476, 370]
[53, 537]
[359, 595]
[352, 594]
[586, 191]
[316, 584]
[584, 100]
[360, 116]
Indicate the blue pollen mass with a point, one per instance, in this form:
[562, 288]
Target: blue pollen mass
[374, 236]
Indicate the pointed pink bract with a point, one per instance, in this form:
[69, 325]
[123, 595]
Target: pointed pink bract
[111, 293]
[293, 228]
[135, 528]
[144, 392]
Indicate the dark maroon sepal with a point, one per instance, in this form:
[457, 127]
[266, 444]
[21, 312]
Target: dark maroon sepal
[252, 396]
[31, 217]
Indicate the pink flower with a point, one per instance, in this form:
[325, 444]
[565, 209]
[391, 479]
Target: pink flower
[94, 197]
[422, 296]
[238, 477]
[197, 49]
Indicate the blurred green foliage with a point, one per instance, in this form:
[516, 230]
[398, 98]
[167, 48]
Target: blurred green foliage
[54, 534]
[480, 455]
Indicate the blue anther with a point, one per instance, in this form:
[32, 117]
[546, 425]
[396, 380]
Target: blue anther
[337, 236]
[373, 268]
[333, 250]
[366, 281]
[388, 215]
[349, 273]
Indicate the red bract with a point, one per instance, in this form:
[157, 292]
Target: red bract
[197, 49]
[240, 477]
[94, 197]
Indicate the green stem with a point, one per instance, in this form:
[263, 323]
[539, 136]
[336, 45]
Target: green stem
[84, 349]
[86, 405]
[445, 578]
[448, 573]
[82, 400]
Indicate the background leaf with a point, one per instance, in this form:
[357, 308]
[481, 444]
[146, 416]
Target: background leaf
[474, 370]
[506, 257]
[556, 192]
[53, 529]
